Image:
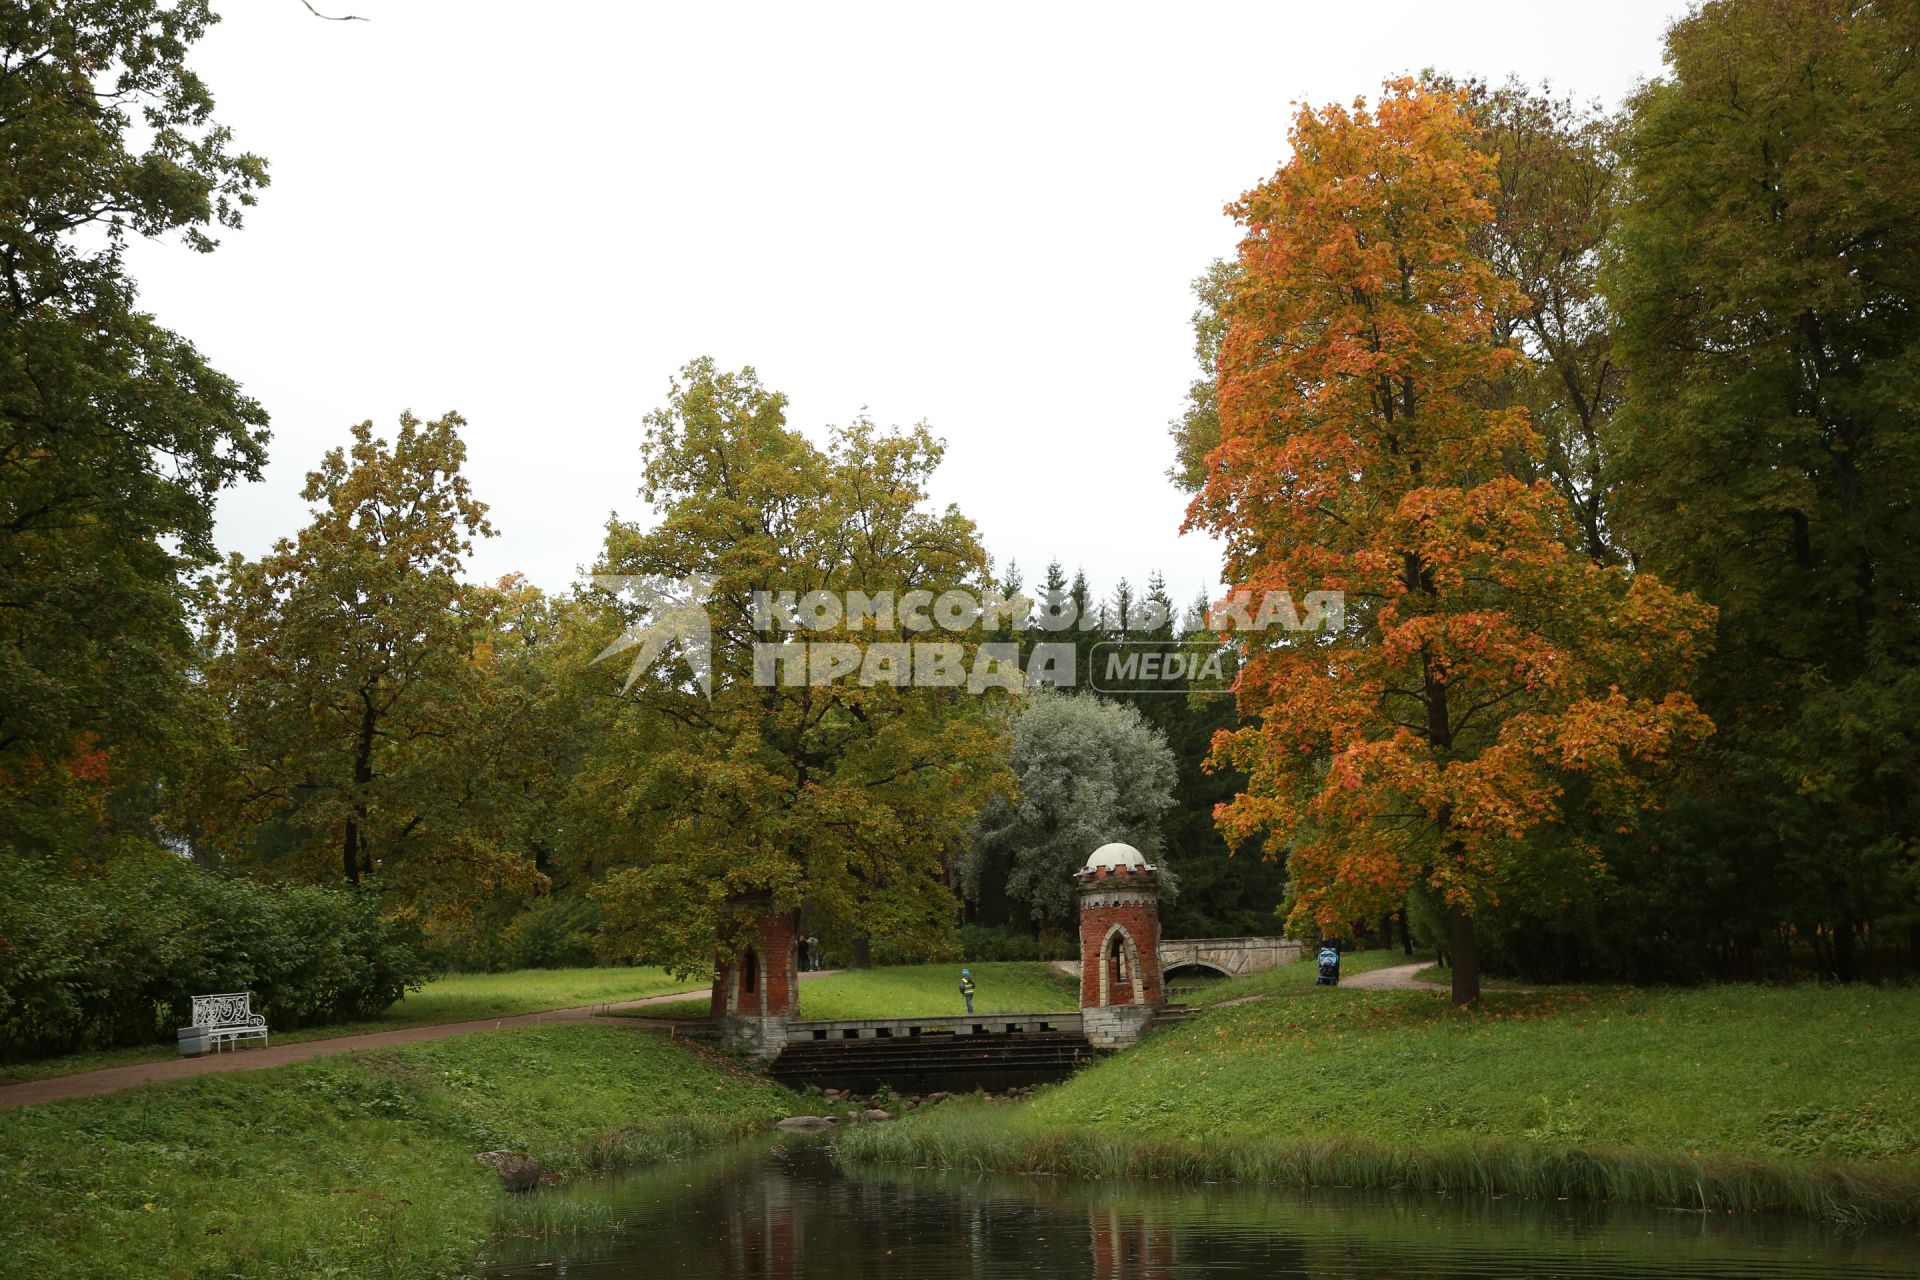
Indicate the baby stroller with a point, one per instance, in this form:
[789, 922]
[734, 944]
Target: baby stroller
[1329, 967]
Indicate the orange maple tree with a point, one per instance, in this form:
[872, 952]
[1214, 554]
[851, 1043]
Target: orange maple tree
[1482, 662]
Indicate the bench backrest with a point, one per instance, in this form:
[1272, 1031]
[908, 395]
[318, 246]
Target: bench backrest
[232, 1009]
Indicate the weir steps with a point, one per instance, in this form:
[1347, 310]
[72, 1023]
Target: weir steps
[924, 1063]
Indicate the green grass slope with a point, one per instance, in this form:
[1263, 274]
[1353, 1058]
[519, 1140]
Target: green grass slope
[1746, 1097]
[358, 1165]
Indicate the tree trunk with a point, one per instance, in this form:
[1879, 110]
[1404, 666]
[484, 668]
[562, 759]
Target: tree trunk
[350, 854]
[1846, 957]
[1466, 956]
[860, 954]
[1406, 935]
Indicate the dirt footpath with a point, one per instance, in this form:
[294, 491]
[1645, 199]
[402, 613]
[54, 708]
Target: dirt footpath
[89, 1084]
[1398, 978]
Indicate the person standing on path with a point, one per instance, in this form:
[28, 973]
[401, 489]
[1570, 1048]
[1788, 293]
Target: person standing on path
[966, 988]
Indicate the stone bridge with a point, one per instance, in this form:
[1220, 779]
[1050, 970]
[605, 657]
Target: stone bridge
[1227, 957]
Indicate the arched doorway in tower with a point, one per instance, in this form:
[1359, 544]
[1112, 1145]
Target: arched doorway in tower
[1120, 969]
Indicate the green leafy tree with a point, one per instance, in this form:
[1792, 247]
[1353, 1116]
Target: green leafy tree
[115, 435]
[1091, 772]
[541, 710]
[1197, 430]
[1767, 284]
[844, 795]
[353, 663]
[1556, 176]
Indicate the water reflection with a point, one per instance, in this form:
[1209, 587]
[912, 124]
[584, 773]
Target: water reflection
[785, 1210]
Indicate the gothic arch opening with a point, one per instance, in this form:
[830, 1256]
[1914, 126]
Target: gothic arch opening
[1120, 977]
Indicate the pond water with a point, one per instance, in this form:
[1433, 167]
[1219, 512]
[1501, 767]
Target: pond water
[787, 1210]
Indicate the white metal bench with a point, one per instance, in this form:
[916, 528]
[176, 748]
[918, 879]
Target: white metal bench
[222, 1019]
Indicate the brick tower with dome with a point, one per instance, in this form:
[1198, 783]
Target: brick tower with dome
[1120, 987]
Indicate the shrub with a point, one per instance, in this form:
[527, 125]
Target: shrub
[980, 943]
[552, 933]
[114, 957]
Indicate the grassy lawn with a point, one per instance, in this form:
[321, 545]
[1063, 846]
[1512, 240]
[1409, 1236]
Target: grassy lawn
[1443, 976]
[360, 1165]
[1752, 1097]
[916, 990]
[459, 997]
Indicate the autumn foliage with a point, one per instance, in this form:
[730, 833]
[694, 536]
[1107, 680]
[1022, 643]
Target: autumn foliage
[1487, 673]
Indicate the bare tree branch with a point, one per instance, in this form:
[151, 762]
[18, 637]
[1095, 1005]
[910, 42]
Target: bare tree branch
[351, 17]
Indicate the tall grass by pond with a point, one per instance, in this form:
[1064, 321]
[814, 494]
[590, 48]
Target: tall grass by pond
[1740, 1098]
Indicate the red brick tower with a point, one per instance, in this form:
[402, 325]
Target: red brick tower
[757, 989]
[1120, 990]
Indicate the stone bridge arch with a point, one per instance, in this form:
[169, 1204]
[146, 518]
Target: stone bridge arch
[1226, 957]
[1194, 969]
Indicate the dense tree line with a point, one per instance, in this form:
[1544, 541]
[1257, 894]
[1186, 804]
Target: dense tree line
[1714, 293]
[1487, 676]
[115, 434]
[1605, 424]
[1123, 751]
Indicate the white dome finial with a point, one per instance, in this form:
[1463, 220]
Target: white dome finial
[1116, 856]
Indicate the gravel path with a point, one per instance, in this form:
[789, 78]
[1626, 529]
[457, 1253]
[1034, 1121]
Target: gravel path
[1398, 978]
[90, 1084]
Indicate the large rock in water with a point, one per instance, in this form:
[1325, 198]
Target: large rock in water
[805, 1124]
[518, 1170]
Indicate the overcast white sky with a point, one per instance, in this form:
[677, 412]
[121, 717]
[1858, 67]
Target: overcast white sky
[983, 216]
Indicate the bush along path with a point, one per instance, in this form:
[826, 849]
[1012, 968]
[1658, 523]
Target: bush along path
[89, 1084]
